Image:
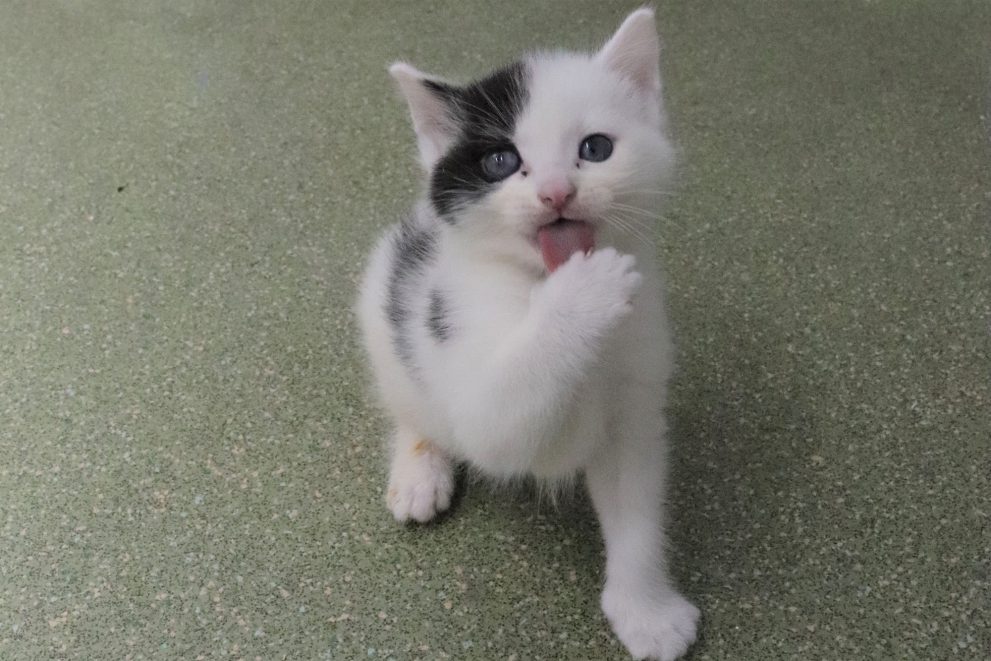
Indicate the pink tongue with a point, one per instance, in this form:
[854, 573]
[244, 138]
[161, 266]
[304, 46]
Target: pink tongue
[563, 238]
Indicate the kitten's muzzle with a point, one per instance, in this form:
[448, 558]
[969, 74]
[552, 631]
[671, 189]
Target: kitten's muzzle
[556, 194]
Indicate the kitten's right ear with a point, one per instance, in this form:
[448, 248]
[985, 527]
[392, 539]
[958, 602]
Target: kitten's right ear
[430, 107]
[634, 51]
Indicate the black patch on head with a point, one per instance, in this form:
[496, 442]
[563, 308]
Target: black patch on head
[412, 248]
[438, 322]
[486, 111]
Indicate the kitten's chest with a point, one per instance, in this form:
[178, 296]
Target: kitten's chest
[485, 306]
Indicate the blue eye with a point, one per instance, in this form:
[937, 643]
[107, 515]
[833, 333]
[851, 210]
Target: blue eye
[501, 163]
[595, 148]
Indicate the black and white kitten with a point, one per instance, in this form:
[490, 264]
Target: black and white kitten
[515, 318]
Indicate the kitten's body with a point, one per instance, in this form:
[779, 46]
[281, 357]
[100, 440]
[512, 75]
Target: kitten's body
[483, 356]
[446, 346]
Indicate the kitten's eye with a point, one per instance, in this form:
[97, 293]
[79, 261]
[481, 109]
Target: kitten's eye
[596, 147]
[499, 164]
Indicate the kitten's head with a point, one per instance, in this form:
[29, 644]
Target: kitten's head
[554, 136]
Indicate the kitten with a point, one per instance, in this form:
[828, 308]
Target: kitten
[514, 319]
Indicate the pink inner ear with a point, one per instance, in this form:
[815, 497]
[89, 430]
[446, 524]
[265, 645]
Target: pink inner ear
[560, 240]
[634, 50]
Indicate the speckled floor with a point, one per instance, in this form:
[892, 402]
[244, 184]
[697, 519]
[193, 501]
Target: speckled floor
[190, 466]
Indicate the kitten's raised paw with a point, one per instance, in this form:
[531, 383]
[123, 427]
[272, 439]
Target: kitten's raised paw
[654, 628]
[421, 483]
[594, 290]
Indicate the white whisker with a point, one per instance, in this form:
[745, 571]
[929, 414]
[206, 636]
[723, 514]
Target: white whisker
[629, 228]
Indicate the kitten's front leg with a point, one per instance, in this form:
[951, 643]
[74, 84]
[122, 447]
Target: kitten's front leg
[626, 482]
[517, 396]
[421, 478]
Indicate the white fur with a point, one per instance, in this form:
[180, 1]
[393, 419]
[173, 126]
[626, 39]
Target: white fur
[550, 375]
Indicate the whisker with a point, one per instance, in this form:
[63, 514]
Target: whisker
[487, 113]
[630, 229]
[465, 182]
[643, 191]
[638, 224]
[621, 189]
[626, 208]
[649, 227]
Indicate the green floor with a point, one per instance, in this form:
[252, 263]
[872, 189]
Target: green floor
[190, 466]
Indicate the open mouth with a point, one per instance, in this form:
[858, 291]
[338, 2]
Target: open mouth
[562, 238]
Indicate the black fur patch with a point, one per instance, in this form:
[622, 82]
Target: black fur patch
[438, 321]
[413, 247]
[487, 111]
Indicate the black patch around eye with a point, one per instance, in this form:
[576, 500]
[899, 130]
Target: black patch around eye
[595, 148]
[487, 112]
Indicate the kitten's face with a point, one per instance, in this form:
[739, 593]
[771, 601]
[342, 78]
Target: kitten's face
[556, 136]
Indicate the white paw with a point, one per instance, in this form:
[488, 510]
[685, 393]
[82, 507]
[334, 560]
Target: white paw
[421, 482]
[594, 291]
[655, 628]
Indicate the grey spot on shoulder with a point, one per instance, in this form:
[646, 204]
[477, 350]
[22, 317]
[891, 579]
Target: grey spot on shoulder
[413, 248]
[438, 317]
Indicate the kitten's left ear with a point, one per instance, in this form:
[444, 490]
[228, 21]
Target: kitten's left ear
[634, 51]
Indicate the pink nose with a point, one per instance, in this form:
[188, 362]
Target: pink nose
[555, 195]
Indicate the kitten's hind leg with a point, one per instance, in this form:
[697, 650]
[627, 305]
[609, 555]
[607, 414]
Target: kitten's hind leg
[421, 478]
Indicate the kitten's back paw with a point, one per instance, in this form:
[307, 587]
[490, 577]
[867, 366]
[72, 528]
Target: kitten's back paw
[652, 628]
[421, 483]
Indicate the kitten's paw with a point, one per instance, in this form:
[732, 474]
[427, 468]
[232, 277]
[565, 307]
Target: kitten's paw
[655, 628]
[421, 483]
[594, 290]
[606, 273]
